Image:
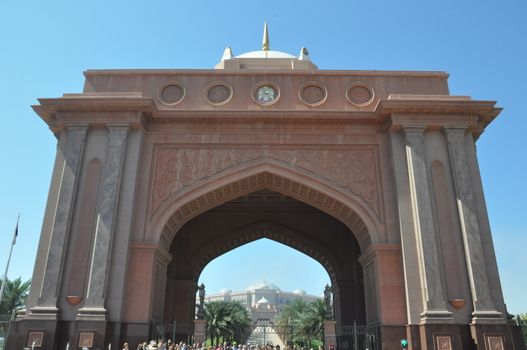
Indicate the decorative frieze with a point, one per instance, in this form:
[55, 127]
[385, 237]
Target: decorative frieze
[352, 170]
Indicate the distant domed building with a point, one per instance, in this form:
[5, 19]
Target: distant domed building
[263, 300]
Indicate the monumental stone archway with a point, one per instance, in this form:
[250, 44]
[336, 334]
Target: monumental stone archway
[261, 208]
[372, 173]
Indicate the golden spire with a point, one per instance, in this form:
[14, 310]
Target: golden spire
[265, 43]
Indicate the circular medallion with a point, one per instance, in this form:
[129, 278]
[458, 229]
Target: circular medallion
[218, 93]
[359, 94]
[312, 93]
[172, 93]
[265, 93]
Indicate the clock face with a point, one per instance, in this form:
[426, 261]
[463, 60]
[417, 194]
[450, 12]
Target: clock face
[266, 94]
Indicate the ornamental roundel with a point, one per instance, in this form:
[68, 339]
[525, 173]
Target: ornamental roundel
[313, 93]
[172, 93]
[359, 94]
[265, 93]
[218, 93]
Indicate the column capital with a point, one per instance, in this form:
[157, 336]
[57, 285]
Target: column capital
[455, 130]
[116, 127]
[157, 250]
[414, 129]
[375, 250]
[77, 126]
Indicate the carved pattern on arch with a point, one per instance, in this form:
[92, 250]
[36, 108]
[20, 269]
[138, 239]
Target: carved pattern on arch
[353, 170]
[276, 183]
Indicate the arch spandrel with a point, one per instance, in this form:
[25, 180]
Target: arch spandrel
[352, 170]
[230, 184]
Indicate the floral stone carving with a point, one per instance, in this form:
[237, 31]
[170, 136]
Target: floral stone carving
[352, 170]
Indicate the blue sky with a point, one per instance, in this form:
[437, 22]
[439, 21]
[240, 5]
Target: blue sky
[46, 45]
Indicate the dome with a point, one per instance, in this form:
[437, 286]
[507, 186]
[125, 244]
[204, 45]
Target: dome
[225, 291]
[265, 54]
[265, 58]
[263, 285]
[262, 301]
[299, 292]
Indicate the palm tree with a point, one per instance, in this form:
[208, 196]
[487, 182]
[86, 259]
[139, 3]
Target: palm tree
[314, 320]
[215, 313]
[292, 319]
[240, 319]
[225, 319]
[15, 295]
[303, 321]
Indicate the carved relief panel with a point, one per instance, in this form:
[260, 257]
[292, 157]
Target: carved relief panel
[352, 170]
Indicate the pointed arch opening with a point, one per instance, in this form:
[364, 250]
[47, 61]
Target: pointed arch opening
[221, 188]
[267, 214]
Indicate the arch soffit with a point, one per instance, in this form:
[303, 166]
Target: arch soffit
[229, 185]
[272, 231]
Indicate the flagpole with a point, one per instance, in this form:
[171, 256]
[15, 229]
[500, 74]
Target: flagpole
[9, 260]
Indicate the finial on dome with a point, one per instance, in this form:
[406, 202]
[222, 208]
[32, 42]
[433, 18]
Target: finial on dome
[304, 55]
[265, 43]
[227, 54]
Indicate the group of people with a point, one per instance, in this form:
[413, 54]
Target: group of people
[164, 345]
[169, 345]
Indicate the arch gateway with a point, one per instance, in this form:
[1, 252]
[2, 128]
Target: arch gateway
[372, 173]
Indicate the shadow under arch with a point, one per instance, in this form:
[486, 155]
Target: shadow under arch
[273, 231]
[265, 214]
[267, 174]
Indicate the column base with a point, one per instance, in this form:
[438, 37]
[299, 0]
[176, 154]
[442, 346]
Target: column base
[330, 335]
[391, 336]
[55, 335]
[488, 317]
[436, 317]
[200, 331]
[92, 314]
[44, 312]
[496, 337]
[23, 332]
[461, 337]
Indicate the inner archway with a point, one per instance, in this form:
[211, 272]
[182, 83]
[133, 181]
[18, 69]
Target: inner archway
[261, 262]
[276, 216]
[280, 288]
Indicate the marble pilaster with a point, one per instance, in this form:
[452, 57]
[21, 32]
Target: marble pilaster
[434, 301]
[406, 227]
[94, 307]
[484, 308]
[73, 152]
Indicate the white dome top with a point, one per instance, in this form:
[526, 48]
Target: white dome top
[265, 54]
[263, 285]
[299, 292]
[262, 301]
[225, 291]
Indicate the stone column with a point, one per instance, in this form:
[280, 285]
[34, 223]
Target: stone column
[484, 308]
[330, 334]
[434, 302]
[94, 307]
[73, 152]
[414, 294]
[200, 327]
